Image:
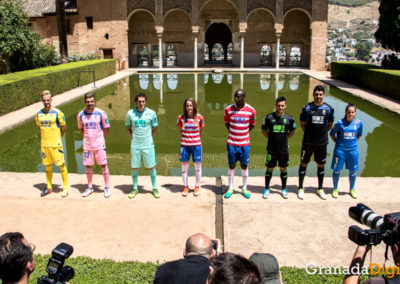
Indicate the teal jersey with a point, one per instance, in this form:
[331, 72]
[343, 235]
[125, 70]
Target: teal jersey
[142, 124]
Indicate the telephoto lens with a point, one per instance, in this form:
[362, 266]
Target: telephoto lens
[364, 215]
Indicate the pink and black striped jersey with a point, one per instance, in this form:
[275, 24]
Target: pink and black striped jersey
[191, 131]
[239, 122]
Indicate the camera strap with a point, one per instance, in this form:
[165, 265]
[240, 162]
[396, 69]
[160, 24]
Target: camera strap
[386, 253]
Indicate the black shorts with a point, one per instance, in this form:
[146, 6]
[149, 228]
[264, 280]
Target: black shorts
[282, 159]
[319, 154]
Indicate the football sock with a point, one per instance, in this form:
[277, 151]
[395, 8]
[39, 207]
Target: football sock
[49, 176]
[320, 174]
[197, 168]
[245, 175]
[335, 178]
[106, 175]
[135, 174]
[302, 174]
[352, 178]
[284, 179]
[64, 175]
[185, 168]
[89, 175]
[231, 175]
[153, 177]
[268, 176]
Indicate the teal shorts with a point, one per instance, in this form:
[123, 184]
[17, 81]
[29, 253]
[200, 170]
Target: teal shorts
[147, 156]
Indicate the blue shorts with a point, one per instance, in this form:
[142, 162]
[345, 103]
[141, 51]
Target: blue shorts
[239, 153]
[350, 157]
[194, 151]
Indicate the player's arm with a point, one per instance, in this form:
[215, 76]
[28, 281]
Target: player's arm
[106, 130]
[331, 119]
[63, 128]
[81, 131]
[333, 137]
[227, 125]
[129, 130]
[291, 133]
[251, 127]
[264, 132]
[154, 131]
[303, 125]
[330, 125]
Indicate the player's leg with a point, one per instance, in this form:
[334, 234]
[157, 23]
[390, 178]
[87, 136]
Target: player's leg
[47, 161]
[320, 159]
[306, 152]
[244, 161]
[232, 160]
[101, 159]
[88, 161]
[270, 163]
[58, 154]
[283, 162]
[149, 161]
[197, 157]
[352, 166]
[336, 166]
[136, 163]
[184, 156]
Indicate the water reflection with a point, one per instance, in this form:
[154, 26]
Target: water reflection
[379, 154]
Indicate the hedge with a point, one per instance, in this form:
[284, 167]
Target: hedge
[20, 89]
[371, 77]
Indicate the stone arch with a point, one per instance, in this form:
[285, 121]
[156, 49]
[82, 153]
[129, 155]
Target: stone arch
[218, 33]
[298, 9]
[224, 13]
[297, 32]
[260, 31]
[178, 32]
[141, 32]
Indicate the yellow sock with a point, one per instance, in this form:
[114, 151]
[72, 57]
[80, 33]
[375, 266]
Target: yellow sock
[49, 176]
[64, 175]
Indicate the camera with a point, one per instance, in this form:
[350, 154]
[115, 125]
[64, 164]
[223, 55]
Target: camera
[381, 228]
[57, 272]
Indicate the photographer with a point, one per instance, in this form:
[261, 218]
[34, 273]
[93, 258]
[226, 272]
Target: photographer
[16, 258]
[359, 258]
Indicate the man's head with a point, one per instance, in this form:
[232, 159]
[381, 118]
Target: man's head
[318, 95]
[198, 244]
[46, 99]
[280, 105]
[90, 102]
[233, 268]
[240, 97]
[16, 257]
[141, 100]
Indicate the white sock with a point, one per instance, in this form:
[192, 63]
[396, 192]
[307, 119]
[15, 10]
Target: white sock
[245, 174]
[185, 169]
[197, 167]
[231, 175]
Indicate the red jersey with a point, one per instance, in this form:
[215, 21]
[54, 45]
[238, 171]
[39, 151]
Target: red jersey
[191, 131]
[239, 122]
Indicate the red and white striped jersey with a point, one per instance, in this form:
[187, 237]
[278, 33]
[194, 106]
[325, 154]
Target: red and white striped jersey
[239, 122]
[191, 131]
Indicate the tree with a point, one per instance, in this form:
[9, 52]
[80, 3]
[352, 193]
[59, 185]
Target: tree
[388, 33]
[363, 50]
[16, 38]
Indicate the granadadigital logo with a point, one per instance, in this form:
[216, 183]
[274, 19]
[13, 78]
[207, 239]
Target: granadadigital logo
[372, 269]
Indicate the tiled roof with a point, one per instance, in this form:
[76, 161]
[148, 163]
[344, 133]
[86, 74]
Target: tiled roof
[39, 8]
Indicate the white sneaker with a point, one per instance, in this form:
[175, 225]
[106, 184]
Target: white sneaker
[321, 194]
[107, 192]
[300, 193]
[87, 192]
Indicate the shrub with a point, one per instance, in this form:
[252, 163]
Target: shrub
[368, 76]
[20, 89]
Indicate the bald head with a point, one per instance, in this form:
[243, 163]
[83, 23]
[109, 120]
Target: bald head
[199, 244]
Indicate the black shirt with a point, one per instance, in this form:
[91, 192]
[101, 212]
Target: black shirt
[317, 119]
[278, 128]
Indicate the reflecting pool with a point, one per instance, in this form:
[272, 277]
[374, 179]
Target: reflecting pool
[379, 152]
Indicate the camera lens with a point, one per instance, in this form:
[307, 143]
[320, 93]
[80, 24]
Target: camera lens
[364, 215]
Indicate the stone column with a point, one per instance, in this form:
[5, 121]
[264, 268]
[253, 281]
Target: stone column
[318, 28]
[287, 49]
[278, 45]
[159, 31]
[242, 31]
[195, 31]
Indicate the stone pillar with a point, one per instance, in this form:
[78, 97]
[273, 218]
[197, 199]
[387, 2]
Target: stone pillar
[159, 31]
[278, 45]
[195, 31]
[319, 28]
[287, 49]
[242, 31]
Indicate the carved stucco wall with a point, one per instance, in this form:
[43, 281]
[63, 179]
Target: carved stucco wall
[173, 4]
[254, 4]
[304, 4]
[132, 5]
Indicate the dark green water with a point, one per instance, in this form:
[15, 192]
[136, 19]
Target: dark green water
[379, 148]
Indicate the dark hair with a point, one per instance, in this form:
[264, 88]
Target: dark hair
[232, 268]
[349, 105]
[319, 88]
[142, 95]
[280, 99]
[89, 95]
[14, 255]
[185, 113]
